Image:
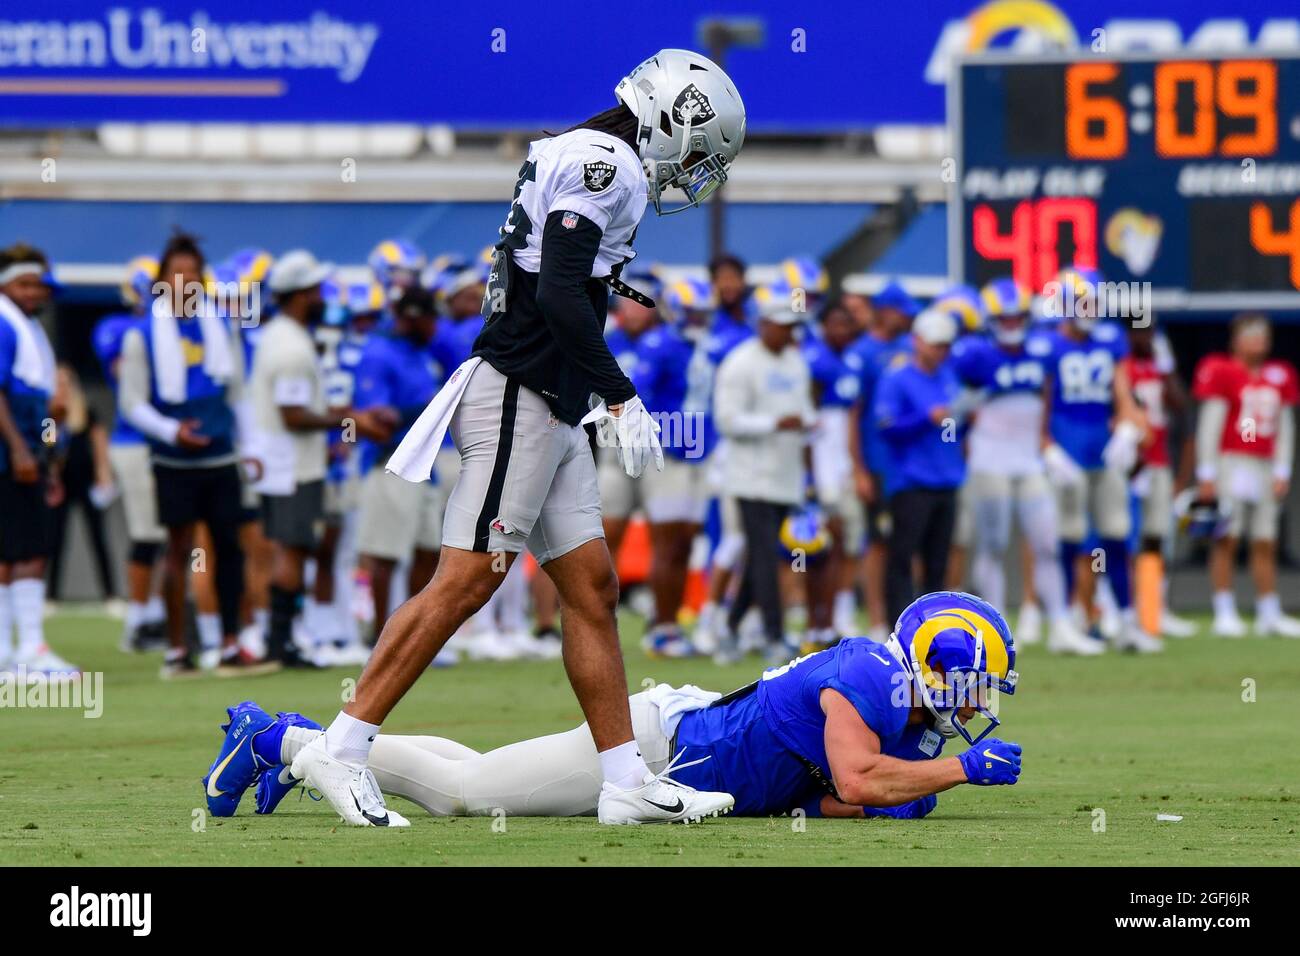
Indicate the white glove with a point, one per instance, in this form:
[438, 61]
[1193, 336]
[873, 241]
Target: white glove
[635, 432]
[1121, 452]
[1061, 468]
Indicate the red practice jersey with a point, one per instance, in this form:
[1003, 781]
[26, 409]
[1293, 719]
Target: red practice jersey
[1255, 400]
[1148, 385]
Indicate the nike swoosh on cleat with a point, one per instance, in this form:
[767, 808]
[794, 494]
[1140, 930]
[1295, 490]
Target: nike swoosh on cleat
[665, 807]
[993, 756]
[215, 776]
[374, 819]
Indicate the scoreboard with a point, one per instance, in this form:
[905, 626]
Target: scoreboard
[1179, 172]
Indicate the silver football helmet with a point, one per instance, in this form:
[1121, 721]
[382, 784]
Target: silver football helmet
[691, 124]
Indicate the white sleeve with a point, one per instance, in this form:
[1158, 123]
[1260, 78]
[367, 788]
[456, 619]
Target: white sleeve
[1209, 437]
[733, 405]
[591, 183]
[133, 392]
[1284, 447]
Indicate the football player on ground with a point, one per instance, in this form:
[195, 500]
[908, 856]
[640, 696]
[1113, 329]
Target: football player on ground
[1007, 478]
[128, 453]
[516, 409]
[853, 731]
[1090, 442]
[1245, 444]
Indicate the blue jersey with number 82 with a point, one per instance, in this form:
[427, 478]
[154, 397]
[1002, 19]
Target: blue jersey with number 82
[1083, 390]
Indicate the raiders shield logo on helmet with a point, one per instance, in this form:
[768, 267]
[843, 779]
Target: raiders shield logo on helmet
[597, 176]
[691, 102]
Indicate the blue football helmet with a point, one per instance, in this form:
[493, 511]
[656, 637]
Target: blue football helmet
[963, 303]
[1007, 305]
[805, 272]
[957, 648]
[804, 532]
[396, 264]
[137, 287]
[686, 296]
[1073, 295]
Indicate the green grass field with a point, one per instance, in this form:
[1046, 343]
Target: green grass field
[1131, 737]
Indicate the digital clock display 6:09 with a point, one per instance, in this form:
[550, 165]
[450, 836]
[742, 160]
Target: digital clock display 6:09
[1183, 172]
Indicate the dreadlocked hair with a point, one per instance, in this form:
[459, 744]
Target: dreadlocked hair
[617, 121]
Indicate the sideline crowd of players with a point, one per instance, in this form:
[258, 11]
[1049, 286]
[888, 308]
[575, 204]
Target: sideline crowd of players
[826, 457]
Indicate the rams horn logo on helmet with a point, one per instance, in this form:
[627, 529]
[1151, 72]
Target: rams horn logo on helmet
[692, 103]
[597, 176]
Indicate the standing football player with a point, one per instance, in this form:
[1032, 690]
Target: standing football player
[1245, 444]
[1090, 441]
[30, 486]
[528, 478]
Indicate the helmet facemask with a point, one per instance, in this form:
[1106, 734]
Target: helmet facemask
[690, 125]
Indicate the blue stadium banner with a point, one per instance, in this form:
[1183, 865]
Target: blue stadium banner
[820, 66]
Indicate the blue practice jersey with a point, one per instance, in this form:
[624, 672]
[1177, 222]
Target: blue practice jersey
[661, 376]
[400, 374]
[836, 375]
[29, 407]
[766, 743]
[456, 338]
[205, 398]
[981, 363]
[873, 356]
[107, 342]
[623, 347]
[1083, 389]
[341, 354]
[921, 453]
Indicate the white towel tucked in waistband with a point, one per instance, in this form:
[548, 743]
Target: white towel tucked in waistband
[675, 702]
[415, 456]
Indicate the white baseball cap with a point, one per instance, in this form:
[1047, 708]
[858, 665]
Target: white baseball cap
[935, 327]
[782, 317]
[297, 270]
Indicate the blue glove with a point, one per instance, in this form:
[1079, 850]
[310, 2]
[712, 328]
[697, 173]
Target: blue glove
[992, 762]
[912, 810]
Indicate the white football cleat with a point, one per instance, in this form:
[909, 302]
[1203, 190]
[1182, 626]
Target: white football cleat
[1171, 625]
[351, 790]
[490, 646]
[1065, 638]
[1279, 625]
[660, 800]
[44, 663]
[1029, 625]
[1229, 625]
[1132, 638]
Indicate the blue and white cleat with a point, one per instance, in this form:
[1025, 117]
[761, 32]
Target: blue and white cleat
[667, 642]
[237, 763]
[276, 783]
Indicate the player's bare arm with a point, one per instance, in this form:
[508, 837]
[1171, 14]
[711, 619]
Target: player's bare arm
[864, 777]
